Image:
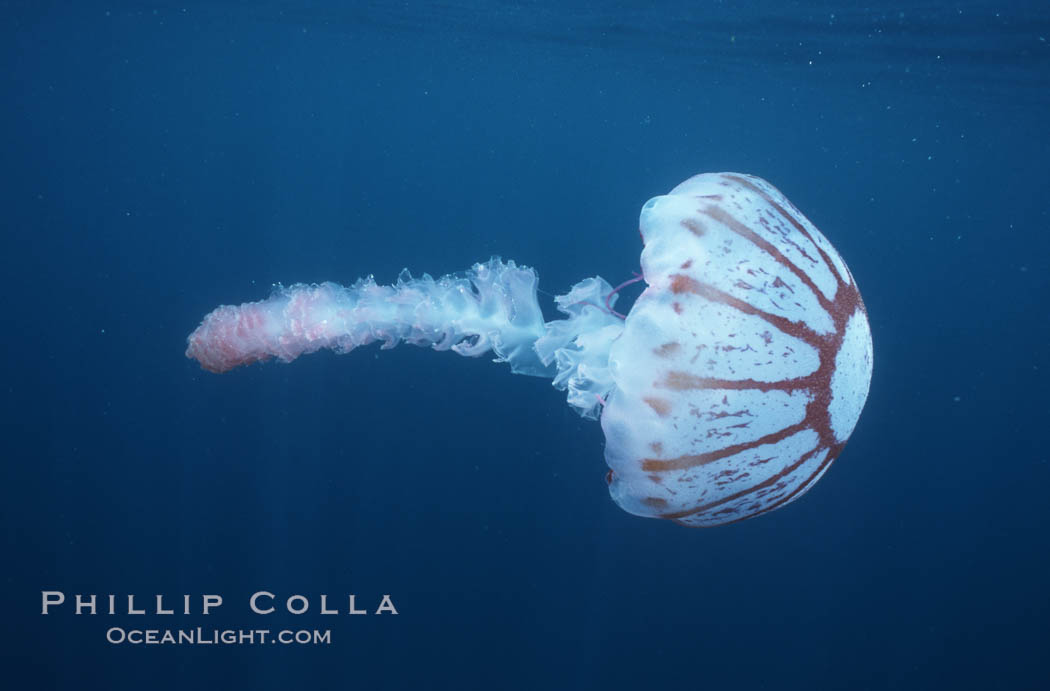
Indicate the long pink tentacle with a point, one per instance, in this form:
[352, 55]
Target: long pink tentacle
[617, 289]
[608, 308]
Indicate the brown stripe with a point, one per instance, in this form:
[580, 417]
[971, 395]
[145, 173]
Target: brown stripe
[659, 405]
[744, 182]
[833, 453]
[723, 216]
[768, 482]
[667, 349]
[680, 283]
[652, 465]
[683, 381]
[694, 226]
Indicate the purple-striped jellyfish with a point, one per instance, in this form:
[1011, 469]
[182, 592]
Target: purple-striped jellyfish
[726, 392]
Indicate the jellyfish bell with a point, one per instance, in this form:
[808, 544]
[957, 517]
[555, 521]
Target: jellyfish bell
[726, 392]
[743, 367]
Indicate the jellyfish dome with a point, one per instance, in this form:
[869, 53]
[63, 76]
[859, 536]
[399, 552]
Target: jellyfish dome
[724, 393]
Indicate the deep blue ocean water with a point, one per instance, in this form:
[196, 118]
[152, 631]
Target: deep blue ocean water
[161, 158]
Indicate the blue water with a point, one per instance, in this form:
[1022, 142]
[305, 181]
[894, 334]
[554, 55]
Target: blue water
[160, 158]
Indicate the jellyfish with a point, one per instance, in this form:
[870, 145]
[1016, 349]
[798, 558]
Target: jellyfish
[725, 392]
